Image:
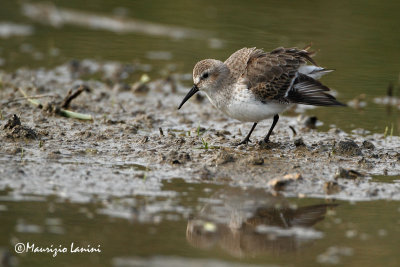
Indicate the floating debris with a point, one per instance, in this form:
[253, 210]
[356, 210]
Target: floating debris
[8, 29]
[159, 55]
[389, 99]
[58, 17]
[333, 255]
[215, 43]
[358, 102]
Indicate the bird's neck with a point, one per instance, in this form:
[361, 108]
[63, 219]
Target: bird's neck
[219, 97]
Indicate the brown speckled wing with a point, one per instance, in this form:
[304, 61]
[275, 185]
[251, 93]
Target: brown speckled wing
[269, 75]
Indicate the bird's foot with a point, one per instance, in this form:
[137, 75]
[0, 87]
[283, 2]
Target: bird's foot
[244, 142]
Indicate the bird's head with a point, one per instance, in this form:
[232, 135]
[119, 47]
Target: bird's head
[207, 76]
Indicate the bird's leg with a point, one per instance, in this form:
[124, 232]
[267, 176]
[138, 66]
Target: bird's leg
[276, 118]
[247, 139]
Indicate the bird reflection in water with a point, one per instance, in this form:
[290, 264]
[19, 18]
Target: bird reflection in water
[252, 222]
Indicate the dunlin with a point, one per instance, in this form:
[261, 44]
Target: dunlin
[253, 85]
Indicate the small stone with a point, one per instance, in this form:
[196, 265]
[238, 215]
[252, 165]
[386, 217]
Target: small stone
[347, 174]
[299, 142]
[349, 147]
[368, 145]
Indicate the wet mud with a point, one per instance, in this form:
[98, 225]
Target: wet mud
[136, 138]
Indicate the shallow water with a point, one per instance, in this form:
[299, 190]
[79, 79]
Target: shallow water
[106, 195]
[218, 223]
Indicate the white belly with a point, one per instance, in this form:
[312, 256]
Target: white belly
[253, 111]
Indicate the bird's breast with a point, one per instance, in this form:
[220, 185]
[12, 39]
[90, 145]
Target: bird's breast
[241, 104]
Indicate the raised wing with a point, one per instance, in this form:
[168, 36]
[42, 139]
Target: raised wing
[270, 75]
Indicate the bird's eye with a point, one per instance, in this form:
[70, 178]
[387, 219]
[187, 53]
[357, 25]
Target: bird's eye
[205, 75]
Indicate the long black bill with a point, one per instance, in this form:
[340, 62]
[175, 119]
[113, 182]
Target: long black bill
[189, 95]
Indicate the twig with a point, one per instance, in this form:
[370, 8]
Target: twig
[57, 110]
[71, 95]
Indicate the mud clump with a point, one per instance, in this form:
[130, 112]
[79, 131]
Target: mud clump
[223, 157]
[348, 148]
[13, 129]
[12, 122]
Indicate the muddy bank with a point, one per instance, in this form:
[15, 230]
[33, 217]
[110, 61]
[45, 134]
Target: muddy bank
[138, 138]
